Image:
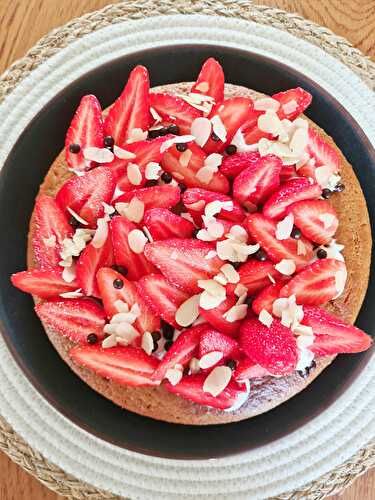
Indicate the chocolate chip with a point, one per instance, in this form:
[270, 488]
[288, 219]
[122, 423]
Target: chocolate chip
[339, 187]
[74, 148]
[231, 149]
[230, 363]
[296, 233]
[182, 187]
[120, 269]
[181, 147]
[249, 301]
[260, 255]
[168, 345]
[173, 129]
[118, 283]
[92, 338]
[215, 137]
[156, 336]
[109, 141]
[151, 183]
[166, 177]
[236, 265]
[168, 331]
[73, 222]
[195, 232]
[153, 134]
[326, 193]
[321, 253]
[162, 131]
[113, 214]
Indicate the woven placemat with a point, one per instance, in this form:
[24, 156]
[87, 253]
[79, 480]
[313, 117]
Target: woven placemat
[10, 442]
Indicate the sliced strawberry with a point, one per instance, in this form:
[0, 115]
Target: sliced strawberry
[164, 224]
[136, 263]
[153, 197]
[263, 229]
[86, 130]
[51, 228]
[233, 113]
[228, 224]
[163, 298]
[252, 135]
[195, 200]
[88, 264]
[232, 165]
[316, 219]
[316, 283]
[124, 365]
[130, 110]
[255, 275]
[287, 173]
[212, 77]
[188, 174]
[254, 184]
[73, 318]
[296, 99]
[191, 387]
[273, 348]
[181, 351]
[322, 153]
[266, 298]
[215, 316]
[332, 334]
[212, 340]
[44, 283]
[175, 110]
[183, 262]
[247, 369]
[85, 194]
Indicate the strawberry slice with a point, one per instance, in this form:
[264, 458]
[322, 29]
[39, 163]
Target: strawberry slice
[51, 229]
[136, 264]
[247, 369]
[173, 109]
[171, 163]
[252, 134]
[232, 165]
[196, 199]
[293, 103]
[266, 298]
[44, 283]
[316, 219]
[263, 230]
[290, 192]
[215, 316]
[73, 318]
[181, 351]
[212, 340]
[210, 80]
[254, 184]
[233, 113]
[86, 130]
[88, 264]
[128, 366]
[332, 334]
[191, 387]
[153, 197]
[85, 194]
[130, 110]
[183, 262]
[273, 348]
[287, 173]
[162, 298]
[316, 283]
[164, 224]
[255, 275]
[128, 293]
[322, 153]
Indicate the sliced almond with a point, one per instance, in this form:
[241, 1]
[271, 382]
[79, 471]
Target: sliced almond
[322, 175]
[301, 248]
[240, 290]
[217, 380]
[269, 122]
[299, 141]
[266, 104]
[208, 301]
[69, 274]
[203, 87]
[194, 366]
[173, 375]
[265, 318]
[304, 341]
[123, 154]
[210, 255]
[210, 359]
[109, 342]
[137, 240]
[188, 311]
[137, 134]
[303, 330]
[121, 306]
[127, 332]
[238, 233]
[99, 155]
[178, 176]
[204, 175]
[279, 305]
[133, 211]
[152, 171]
[101, 234]
[148, 234]
[213, 161]
[236, 313]
[214, 228]
[290, 106]
[201, 129]
[185, 158]
[134, 174]
[147, 343]
[219, 128]
[230, 273]
[220, 278]
[212, 287]
[340, 281]
[72, 295]
[204, 235]
[213, 208]
[286, 267]
[76, 216]
[155, 115]
[284, 227]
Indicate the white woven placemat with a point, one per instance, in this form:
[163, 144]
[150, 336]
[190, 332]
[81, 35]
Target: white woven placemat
[271, 470]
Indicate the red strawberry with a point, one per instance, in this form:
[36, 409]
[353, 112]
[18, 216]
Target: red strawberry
[183, 262]
[287, 173]
[50, 224]
[195, 200]
[290, 192]
[253, 134]
[232, 165]
[164, 224]
[130, 110]
[332, 334]
[215, 316]
[163, 298]
[211, 74]
[273, 348]
[173, 109]
[316, 219]
[212, 340]
[146, 321]
[299, 96]
[247, 369]
[233, 113]
[86, 194]
[254, 184]
[88, 264]
[316, 283]
[266, 298]
[323, 153]
[255, 275]
[182, 350]
[228, 224]
[44, 283]
[263, 229]
[85, 130]
[188, 174]
[153, 197]
[136, 263]
[129, 366]
[73, 318]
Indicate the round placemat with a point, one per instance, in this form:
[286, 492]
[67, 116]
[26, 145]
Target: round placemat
[240, 13]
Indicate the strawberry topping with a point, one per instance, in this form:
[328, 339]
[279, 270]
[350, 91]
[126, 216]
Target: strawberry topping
[210, 80]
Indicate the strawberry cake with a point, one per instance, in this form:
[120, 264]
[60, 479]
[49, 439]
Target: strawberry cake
[199, 252]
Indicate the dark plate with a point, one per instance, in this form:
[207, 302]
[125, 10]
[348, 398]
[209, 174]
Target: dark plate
[24, 170]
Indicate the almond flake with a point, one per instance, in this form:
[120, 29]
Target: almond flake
[327, 219]
[236, 313]
[217, 380]
[305, 359]
[72, 295]
[109, 342]
[299, 141]
[137, 240]
[69, 273]
[238, 140]
[210, 359]
[301, 123]
[322, 175]
[271, 278]
[133, 211]
[219, 128]
[123, 154]
[284, 228]
[137, 134]
[185, 158]
[303, 159]
[290, 106]
[220, 278]
[340, 280]
[108, 209]
[110, 329]
[127, 332]
[212, 287]
[155, 115]
[238, 233]
[121, 306]
[99, 155]
[286, 267]
[203, 87]
[269, 122]
[152, 171]
[266, 104]
[213, 161]
[177, 139]
[101, 234]
[213, 208]
[240, 290]
[214, 228]
[188, 311]
[208, 301]
[210, 255]
[241, 299]
[204, 175]
[301, 248]
[123, 317]
[178, 176]
[50, 242]
[230, 273]
[201, 129]
[303, 330]
[194, 366]
[173, 375]
[265, 318]
[204, 235]
[147, 343]
[134, 174]
[304, 341]
[201, 97]
[148, 234]
[76, 216]
[279, 305]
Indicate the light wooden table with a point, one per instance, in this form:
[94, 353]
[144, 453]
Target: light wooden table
[23, 22]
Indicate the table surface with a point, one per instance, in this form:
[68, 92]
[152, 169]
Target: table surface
[23, 22]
